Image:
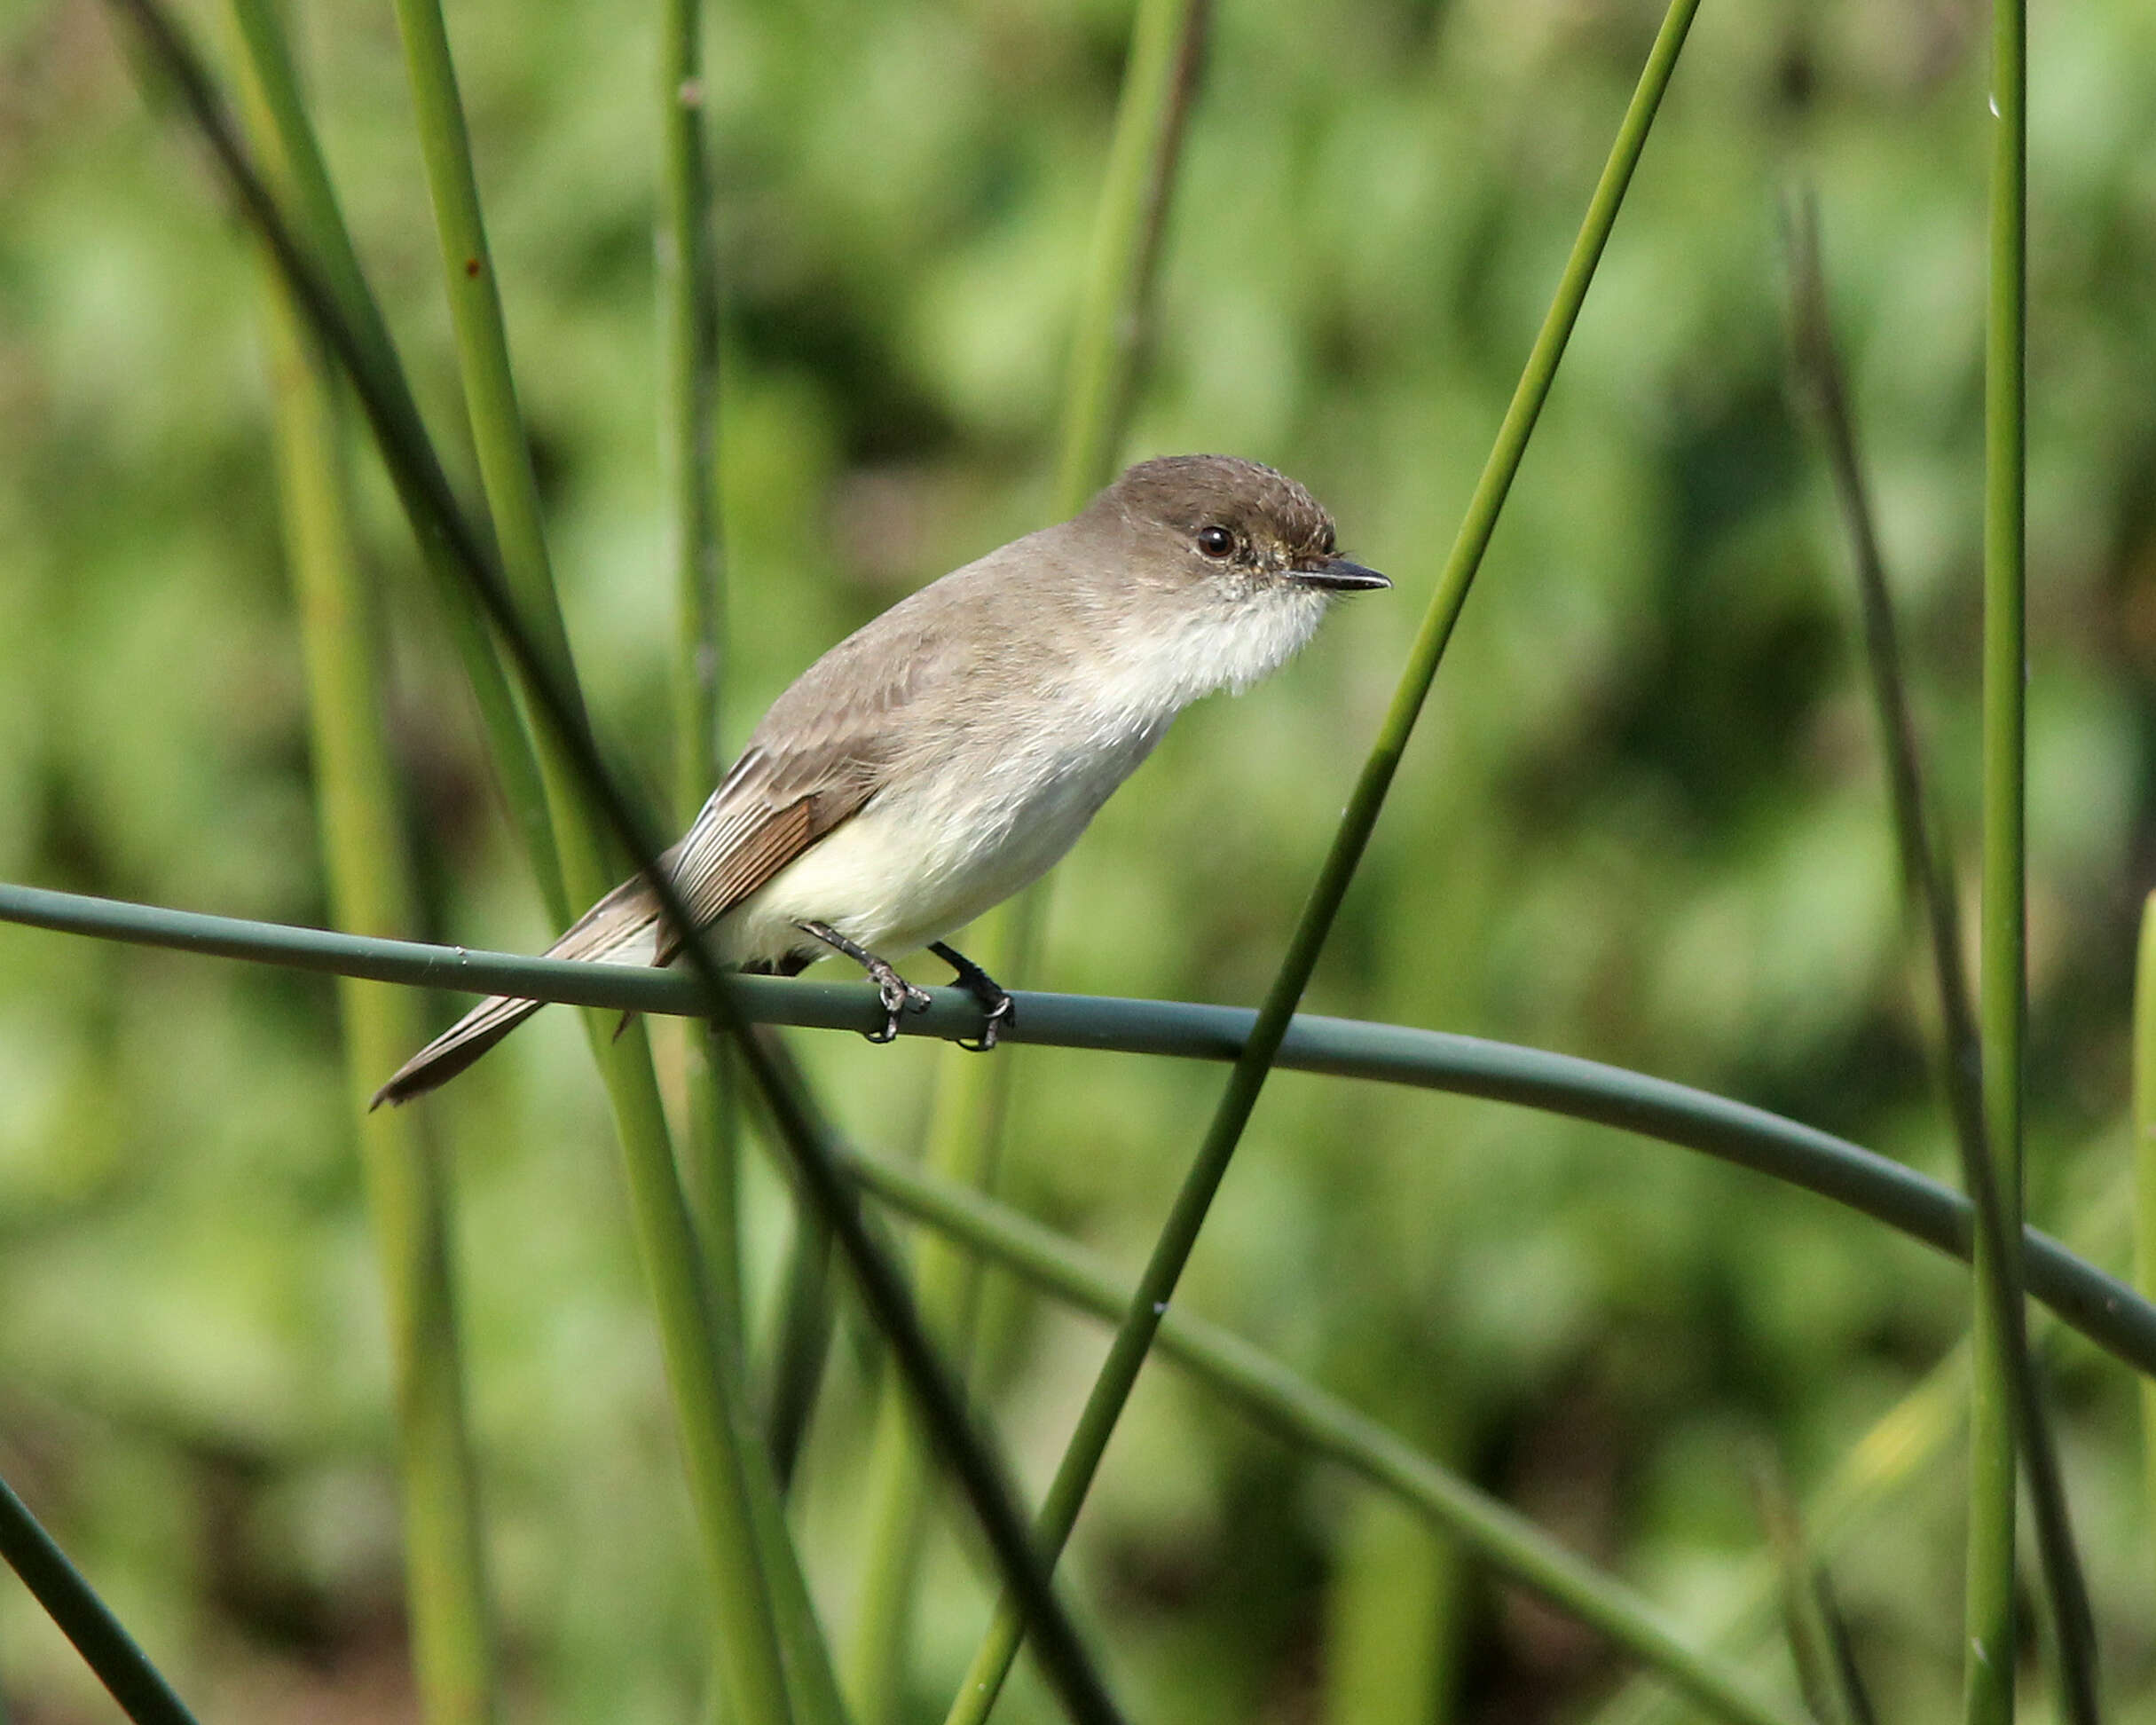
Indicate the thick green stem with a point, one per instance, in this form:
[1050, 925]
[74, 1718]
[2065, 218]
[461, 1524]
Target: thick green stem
[689, 419]
[711, 1422]
[321, 220]
[407, 1193]
[688, 439]
[2105, 1310]
[1399, 1605]
[408, 1196]
[1989, 1668]
[1157, 1286]
[69, 1601]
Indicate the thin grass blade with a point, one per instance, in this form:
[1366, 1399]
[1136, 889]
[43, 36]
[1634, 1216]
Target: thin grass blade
[1900, 1449]
[69, 1601]
[1819, 1670]
[1930, 884]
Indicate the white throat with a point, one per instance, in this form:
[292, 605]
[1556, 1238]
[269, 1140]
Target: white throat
[1158, 667]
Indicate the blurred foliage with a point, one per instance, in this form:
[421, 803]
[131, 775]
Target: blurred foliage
[1644, 819]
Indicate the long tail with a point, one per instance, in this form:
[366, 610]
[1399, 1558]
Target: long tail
[620, 929]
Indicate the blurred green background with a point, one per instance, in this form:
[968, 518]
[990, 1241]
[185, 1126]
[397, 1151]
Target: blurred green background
[1644, 819]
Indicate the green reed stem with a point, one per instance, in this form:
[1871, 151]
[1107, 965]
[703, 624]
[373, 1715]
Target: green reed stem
[408, 1196]
[1400, 1606]
[1115, 319]
[321, 221]
[810, 1672]
[1316, 1420]
[69, 1601]
[689, 424]
[2103, 1309]
[689, 461]
[1901, 1447]
[482, 344]
[1157, 1286]
[2144, 1158]
[1989, 1637]
[1931, 887]
[964, 1151]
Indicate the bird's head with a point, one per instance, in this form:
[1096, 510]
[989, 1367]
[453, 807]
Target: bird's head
[1233, 527]
[1218, 570]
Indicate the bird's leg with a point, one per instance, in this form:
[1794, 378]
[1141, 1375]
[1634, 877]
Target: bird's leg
[896, 993]
[994, 997]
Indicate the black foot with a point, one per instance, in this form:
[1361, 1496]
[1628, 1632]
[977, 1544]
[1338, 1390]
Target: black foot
[896, 993]
[994, 997]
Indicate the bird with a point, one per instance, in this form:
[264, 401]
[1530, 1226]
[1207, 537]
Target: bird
[949, 751]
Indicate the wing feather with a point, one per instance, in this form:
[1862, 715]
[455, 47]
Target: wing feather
[817, 759]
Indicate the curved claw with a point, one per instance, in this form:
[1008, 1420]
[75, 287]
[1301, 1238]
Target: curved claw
[897, 996]
[893, 990]
[994, 999]
[1004, 1012]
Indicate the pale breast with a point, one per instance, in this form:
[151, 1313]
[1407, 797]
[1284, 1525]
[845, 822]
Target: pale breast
[938, 847]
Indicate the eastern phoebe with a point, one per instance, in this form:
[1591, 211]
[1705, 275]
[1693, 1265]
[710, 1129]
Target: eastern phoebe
[948, 753]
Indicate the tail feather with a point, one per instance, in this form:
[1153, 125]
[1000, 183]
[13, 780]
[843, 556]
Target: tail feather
[456, 1048]
[620, 929]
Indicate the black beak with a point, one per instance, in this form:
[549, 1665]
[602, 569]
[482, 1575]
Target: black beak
[1340, 576]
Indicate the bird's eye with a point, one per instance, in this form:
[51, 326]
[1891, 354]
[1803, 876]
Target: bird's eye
[1215, 541]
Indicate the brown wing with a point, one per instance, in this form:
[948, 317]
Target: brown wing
[741, 838]
[817, 759]
[739, 841]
